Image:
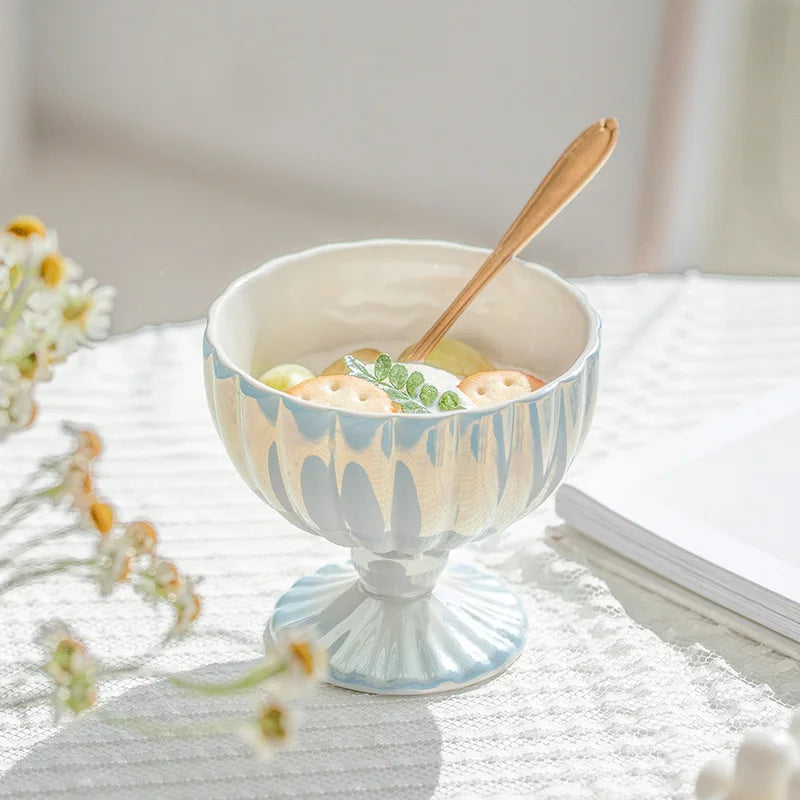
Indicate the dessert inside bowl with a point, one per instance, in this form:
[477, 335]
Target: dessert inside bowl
[295, 318]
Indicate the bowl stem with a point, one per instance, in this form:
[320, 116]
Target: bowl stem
[399, 577]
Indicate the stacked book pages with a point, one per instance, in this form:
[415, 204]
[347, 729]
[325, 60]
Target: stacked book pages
[709, 518]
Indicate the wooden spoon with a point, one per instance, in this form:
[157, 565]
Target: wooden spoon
[578, 164]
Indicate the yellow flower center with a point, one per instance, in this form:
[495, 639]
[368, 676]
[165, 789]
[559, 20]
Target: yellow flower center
[271, 723]
[65, 650]
[301, 652]
[102, 516]
[27, 365]
[52, 269]
[26, 226]
[76, 312]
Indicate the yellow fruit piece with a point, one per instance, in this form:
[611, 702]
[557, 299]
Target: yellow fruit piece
[284, 376]
[458, 358]
[367, 355]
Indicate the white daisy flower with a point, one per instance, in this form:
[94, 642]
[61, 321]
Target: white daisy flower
[29, 350]
[116, 552]
[54, 270]
[115, 561]
[28, 250]
[35, 366]
[141, 538]
[161, 581]
[187, 607]
[77, 490]
[66, 655]
[75, 486]
[306, 661]
[85, 314]
[88, 445]
[71, 667]
[271, 729]
[43, 315]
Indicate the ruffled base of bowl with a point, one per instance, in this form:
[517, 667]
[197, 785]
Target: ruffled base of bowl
[469, 628]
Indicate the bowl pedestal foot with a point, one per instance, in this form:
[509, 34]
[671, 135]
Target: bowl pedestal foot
[406, 625]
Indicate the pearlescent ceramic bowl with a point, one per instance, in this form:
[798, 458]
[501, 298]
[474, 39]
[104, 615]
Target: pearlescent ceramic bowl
[401, 491]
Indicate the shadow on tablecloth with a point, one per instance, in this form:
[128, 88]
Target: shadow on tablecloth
[348, 746]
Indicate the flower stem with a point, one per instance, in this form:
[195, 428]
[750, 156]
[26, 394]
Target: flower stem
[17, 308]
[64, 565]
[248, 681]
[21, 493]
[45, 538]
[25, 507]
[13, 503]
[28, 503]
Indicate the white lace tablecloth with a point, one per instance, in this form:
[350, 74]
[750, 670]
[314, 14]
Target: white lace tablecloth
[619, 693]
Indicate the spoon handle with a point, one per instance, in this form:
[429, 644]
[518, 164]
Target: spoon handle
[578, 164]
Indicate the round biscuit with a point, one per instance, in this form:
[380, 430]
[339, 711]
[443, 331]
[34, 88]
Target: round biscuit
[344, 391]
[498, 386]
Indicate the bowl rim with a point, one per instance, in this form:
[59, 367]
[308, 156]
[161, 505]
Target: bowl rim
[592, 345]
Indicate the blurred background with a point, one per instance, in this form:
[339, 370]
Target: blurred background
[177, 143]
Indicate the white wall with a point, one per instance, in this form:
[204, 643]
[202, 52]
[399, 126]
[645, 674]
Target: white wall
[13, 88]
[756, 220]
[180, 142]
[447, 111]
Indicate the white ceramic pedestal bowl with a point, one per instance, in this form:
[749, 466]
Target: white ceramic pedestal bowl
[401, 491]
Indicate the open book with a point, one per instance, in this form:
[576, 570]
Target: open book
[710, 518]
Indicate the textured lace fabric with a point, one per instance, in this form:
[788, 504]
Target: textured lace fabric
[619, 693]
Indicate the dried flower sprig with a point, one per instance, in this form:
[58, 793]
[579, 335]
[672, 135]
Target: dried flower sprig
[128, 553]
[409, 391]
[123, 552]
[295, 666]
[45, 315]
[65, 480]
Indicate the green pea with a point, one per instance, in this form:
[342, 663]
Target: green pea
[383, 366]
[449, 402]
[428, 394]
[398, 376]
[415, 380]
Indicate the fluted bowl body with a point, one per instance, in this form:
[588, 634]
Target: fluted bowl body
[400, 485]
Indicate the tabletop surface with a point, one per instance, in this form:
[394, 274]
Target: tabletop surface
[619, 693]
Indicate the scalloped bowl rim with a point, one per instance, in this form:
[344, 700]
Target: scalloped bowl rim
[593, 344]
